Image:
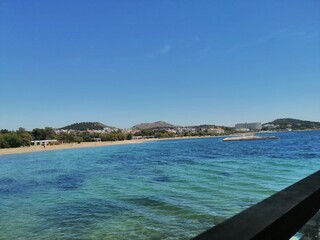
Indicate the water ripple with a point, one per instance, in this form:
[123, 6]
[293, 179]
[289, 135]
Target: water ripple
[161, 190]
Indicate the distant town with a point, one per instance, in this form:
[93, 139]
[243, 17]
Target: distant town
[97, 132]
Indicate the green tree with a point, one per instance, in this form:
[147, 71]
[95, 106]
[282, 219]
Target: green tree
[21, 130]
[43, 134]
[63, 137]
[25, 137]
[3, 143]
[49, 133]
[12, 140]
[38, 134]
[129, 136]
[86, 137]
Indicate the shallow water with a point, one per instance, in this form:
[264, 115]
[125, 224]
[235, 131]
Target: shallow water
[171, 189]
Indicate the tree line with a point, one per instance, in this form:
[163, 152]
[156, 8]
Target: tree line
[22, 137]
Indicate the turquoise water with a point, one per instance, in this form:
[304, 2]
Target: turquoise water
[171, 189]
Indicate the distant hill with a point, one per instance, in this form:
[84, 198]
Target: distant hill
[203, 126]
[82, 126]
[294, 124]
[155, 125]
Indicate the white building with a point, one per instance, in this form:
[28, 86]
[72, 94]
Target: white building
[171, 131]
[216, 130]
[43, 142]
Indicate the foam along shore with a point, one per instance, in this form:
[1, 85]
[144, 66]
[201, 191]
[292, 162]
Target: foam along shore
[250, 137]
[38, 148]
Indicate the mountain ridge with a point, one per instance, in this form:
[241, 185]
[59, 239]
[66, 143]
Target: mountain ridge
[154, 125]
[82, 126]
[294, 123]
[280, 123]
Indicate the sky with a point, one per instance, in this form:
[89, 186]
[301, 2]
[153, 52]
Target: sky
[123, 62]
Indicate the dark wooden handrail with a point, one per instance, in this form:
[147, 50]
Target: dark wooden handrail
[277, 217]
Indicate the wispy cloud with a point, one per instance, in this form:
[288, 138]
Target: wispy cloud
[261, 39]
[202, 53]
[165, 49]
[272, 35]
[190, 42]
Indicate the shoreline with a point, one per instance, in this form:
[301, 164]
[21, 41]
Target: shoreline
[31, 149]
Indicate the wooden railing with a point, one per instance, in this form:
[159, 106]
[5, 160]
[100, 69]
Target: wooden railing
[277, 217]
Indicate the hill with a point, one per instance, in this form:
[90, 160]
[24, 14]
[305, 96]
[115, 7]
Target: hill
[203, 126]
[82, 126]
[155, 125]
[294, 124]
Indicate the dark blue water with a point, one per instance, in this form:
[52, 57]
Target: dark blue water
[170, 189]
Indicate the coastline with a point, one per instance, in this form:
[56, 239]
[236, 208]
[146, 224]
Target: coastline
[31, 149]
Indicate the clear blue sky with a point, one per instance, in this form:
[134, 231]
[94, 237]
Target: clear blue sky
[186, 62]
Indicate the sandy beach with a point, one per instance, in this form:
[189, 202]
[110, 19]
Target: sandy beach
[6, 151]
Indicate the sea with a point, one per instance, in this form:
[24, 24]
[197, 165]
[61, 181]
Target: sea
[170, 189]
